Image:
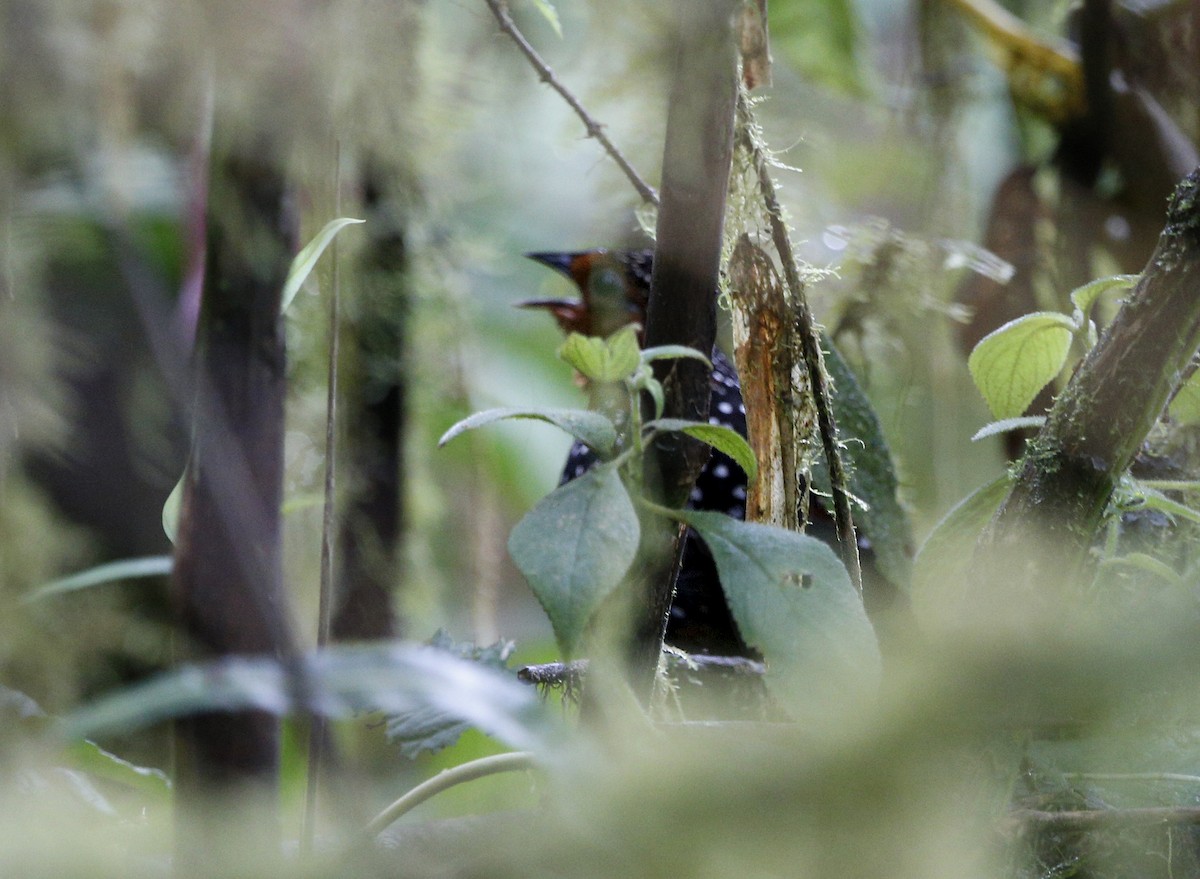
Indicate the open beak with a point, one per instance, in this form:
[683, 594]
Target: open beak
[560, 262]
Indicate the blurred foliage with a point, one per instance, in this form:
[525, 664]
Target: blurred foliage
[903, 126]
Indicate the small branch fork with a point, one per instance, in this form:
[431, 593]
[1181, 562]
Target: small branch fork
[595, 130]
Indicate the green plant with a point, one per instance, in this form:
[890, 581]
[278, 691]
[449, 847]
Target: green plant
[790, 594]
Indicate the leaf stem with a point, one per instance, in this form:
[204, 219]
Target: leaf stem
[445, 780]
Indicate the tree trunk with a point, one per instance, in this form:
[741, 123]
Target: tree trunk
[682, 310]
[227, 581]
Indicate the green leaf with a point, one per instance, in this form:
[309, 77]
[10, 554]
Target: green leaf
[345, 681]
[126, 569]
[94, 760]
[306, 259]
[1008, 424]
[603, 360]
[546, 8]
[1012, 364]
[872, 474]
[1185, 407]
[793, 600]
[945, 558]
[667, 352]
[574, 547]
[1085, 297]
[592, 428]
[721, 438]
[172, 509]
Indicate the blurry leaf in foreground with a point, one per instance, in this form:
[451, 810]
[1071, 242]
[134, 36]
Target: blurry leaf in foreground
[431, 729]
[945, 557]
[793, 600]
[392, 678]
[97, 762]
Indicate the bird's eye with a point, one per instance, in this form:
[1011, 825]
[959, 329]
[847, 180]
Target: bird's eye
[608, 303]
[606, 286]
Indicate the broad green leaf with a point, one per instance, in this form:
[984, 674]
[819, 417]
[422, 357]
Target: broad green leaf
[546, 8]
[387, 677]
[592, 428]
[944, 559]
[574, 547]
[872, 472]
[793, 600]
[94, 760]
[306, 259]
[1008, 424]
[721, 438]
[1185, 407]
[666, 352]
[1012, 364]
[1085, 297]
[172, 508]
[126, 569]
[603, 360]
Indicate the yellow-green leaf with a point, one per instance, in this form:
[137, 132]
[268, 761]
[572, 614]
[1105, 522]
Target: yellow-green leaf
[1011, 365]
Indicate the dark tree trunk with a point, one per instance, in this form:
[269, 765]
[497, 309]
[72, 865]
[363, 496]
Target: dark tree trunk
[374, 403]
[227, 581]
[682, 310]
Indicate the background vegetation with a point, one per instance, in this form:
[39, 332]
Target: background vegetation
[937, 191]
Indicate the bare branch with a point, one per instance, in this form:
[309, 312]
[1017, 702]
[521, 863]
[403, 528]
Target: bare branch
[546, 74]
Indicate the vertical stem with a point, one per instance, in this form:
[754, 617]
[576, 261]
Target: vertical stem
[682, 310]
[317, 725]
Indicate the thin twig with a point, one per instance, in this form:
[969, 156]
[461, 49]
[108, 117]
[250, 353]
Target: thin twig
[810, 343]
[546, 74]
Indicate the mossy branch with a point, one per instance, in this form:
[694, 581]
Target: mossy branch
[1101, 419]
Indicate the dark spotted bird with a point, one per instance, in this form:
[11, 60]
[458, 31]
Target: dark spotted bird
[614, 288]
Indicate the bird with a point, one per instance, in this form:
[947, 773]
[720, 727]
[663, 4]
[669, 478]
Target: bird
[614, 291]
